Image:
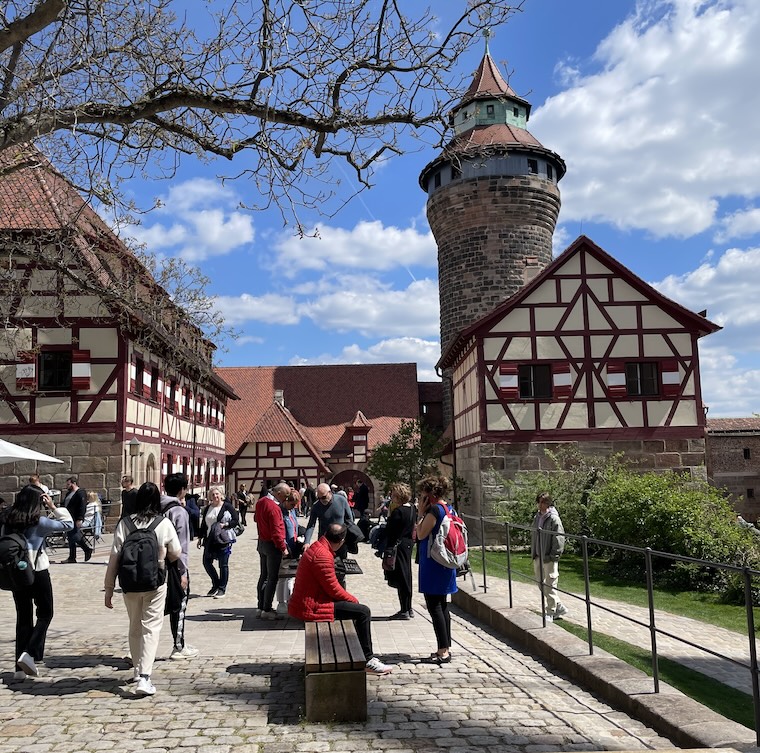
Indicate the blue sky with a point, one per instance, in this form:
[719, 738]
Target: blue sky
[655, 108]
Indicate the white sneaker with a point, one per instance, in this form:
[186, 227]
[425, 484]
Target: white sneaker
[548, 618]
[376, 667]
[187, 652]
[135, 676]
[560, 611]
[145, 687]
[282, 610]
[19, 675]
[26, 664]
[270, 615]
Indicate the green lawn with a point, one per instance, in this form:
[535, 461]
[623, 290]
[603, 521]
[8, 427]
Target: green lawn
[699, 606]
[726, 701]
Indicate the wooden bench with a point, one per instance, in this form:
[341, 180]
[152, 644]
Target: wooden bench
[336, 683]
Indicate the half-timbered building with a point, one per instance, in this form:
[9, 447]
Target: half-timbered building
[98, 366]
[316, 423]
[586, 353]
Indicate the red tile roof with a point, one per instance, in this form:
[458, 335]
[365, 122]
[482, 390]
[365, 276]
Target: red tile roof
[323, 400]
[736, 425]
[359, 421]
[488, 82]
[278, 425]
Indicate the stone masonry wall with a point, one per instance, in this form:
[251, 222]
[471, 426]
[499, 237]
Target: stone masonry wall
[484, 465]
[729, 469]
[485, 229]
[94, 458]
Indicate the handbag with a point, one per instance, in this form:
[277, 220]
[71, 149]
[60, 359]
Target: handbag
[389, 558]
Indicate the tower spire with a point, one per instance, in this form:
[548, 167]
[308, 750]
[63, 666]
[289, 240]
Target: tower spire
[487, 34]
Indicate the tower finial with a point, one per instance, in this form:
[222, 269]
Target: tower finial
[487, 34]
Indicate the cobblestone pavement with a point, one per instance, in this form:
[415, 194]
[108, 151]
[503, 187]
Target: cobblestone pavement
[725, 642]
[244, 692]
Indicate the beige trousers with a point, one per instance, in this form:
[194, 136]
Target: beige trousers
[548, 581]
[146, 617]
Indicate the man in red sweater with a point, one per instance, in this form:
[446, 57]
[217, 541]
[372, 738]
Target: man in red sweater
[318, 597]
[271, 548]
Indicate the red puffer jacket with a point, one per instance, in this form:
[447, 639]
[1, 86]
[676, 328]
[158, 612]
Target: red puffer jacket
[317, 588]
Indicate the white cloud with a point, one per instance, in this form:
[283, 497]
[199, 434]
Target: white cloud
[425, 353]
[355, 303]
[204, 221]
[728, 387]
[727, 288]
[378, 311]
[665, 124]
[739, 225]
[249, 340]
[368, 246]
[269, 309]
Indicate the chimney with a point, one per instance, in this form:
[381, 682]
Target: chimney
[279, 397]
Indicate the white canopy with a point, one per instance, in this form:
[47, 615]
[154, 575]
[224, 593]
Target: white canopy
[10, 453]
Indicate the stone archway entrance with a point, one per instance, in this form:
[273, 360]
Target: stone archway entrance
[346, 480]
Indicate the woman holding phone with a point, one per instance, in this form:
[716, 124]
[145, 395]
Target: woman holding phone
[436, 581]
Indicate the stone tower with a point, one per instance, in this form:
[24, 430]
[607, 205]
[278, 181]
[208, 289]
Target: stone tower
[493, 202]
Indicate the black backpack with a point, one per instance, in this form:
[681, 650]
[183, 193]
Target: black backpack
[139, 570]
[16, 570]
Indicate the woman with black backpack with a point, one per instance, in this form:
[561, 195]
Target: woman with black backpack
[26, 517]
[141, 544]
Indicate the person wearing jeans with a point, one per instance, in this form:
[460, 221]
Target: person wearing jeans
[319, 597]
[217, 511]
[271, 547]
[436, 582]
[28, 516]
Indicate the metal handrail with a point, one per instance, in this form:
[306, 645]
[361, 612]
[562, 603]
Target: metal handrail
[648, 555]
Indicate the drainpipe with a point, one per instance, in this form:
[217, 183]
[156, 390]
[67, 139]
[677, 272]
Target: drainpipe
[452, 465]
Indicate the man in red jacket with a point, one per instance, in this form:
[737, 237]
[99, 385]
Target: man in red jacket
[271, 548]
[318, 597]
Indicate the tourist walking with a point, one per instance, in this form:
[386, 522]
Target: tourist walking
[550, 542]
[399, 532]
[145, 608]
[224, 513]
[28, 516]
[436, 582]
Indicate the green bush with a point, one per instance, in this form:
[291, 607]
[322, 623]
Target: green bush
[669, 514]
[606, 498]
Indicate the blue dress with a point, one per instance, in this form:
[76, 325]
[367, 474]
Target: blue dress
[433, 578]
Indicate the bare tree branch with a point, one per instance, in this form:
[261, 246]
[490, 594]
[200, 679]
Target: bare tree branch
[123, 84]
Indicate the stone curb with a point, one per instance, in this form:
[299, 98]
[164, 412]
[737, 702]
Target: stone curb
[672, 714]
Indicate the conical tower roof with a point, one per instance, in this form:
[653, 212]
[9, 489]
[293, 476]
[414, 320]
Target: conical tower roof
[489, 83]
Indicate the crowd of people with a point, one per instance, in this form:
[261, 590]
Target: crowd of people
[312, 591]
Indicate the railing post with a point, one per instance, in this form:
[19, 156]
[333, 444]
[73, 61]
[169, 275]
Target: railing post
[752, 650]
[587, 584]
[540, 541]
[509, 561]
[483, 552]
[652, 628]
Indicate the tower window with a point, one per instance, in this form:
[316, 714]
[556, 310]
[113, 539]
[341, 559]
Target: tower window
[641, 379]
[455, 172]
[516, 112]
[437, 180]
[549, 172]
[490, 112]
[533, 166]
[747, 453]
[750, 493]
[535, 381]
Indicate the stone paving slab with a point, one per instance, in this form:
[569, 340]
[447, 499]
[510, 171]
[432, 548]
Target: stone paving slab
[245, 693]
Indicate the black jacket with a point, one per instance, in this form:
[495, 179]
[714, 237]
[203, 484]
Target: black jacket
[77, 505]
